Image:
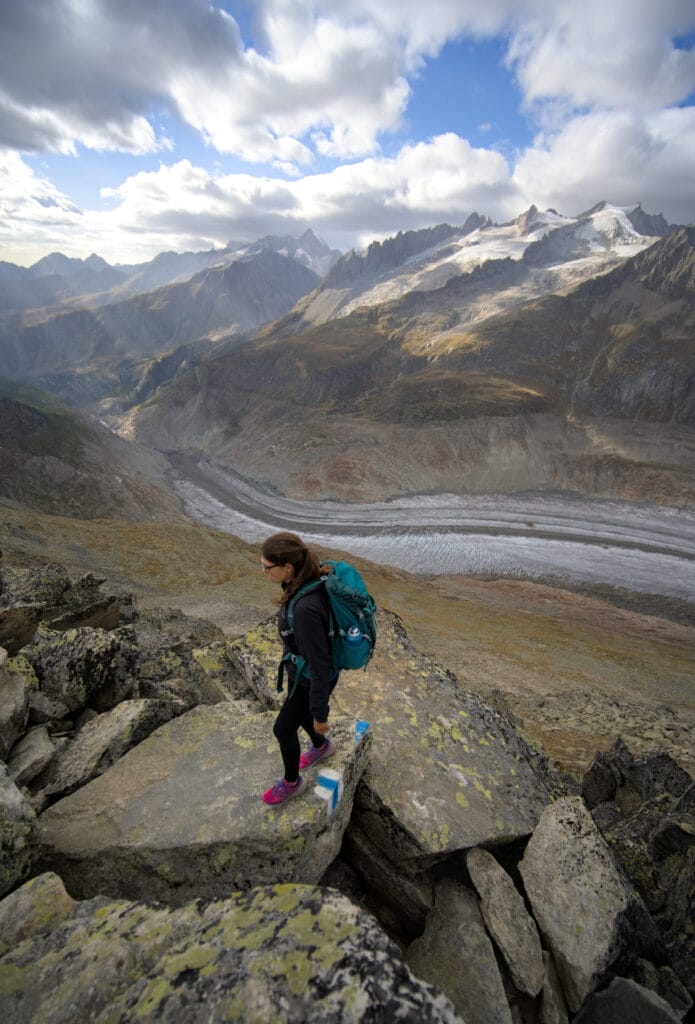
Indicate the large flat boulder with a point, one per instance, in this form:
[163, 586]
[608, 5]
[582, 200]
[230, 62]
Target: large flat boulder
[290, 953]
[180, 815]
[447, 772]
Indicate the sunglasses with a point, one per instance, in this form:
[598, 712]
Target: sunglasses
[268, 568]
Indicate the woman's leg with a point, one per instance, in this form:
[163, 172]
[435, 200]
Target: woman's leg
[293, 714]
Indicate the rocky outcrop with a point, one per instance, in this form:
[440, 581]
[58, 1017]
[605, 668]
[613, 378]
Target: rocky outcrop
[645, 809]
[84, 666]
[441, 820]
[567, 869]
[446, 772]
[291, 952]
[384, 256]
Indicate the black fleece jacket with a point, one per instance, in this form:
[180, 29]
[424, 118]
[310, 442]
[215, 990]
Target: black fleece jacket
[311, 641]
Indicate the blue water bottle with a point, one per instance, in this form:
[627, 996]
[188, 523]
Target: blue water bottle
[353, 636]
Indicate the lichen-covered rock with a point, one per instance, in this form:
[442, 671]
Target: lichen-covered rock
[455, 954]
[508, 922]
[17, 680]
[648, 820]
[84, 665]
[624, 1000]
[61, 602]
[287, 954]
[17, 833]
[446, 773]
[101, 742]
[585, 909]
[44, 586]
[31, 755]
[36, 906]
[186, 656]
[18, 624]
[180, 815]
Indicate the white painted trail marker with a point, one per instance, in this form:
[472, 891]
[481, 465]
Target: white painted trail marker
[329, 786]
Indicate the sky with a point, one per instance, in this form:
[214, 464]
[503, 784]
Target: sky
[132, 127]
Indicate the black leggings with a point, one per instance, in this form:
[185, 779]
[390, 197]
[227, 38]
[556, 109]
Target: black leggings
[293, 714]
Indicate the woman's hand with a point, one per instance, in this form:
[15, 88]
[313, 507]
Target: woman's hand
[321, 727]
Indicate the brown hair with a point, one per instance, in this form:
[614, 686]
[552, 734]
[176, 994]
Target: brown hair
[285, 547]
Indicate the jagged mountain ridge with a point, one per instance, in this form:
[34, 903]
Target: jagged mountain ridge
[61, 281]
[509, 402]
[555, 252]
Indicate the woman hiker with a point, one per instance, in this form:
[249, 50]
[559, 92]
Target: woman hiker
[288, 562]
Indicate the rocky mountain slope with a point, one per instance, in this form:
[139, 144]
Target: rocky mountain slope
[92, 352]
[588, 389]
[53, 459]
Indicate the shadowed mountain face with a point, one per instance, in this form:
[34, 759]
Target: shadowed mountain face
[590, 389]
[55, 460]
[549, 352]
[93, 352]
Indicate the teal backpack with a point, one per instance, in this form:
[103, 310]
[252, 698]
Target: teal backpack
[352, 621]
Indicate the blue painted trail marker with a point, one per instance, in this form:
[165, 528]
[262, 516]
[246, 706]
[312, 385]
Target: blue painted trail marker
[329, 786]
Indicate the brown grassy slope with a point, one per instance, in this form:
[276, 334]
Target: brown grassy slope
[577, 671]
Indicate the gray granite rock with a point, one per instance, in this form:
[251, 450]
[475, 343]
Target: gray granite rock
[290, 953]
[17, 833]
[508, 922]
[553, 1008]
[455, 954]
[17, 680]
[31, 755]
[624, 1001]
[101, 742]
[585, 909]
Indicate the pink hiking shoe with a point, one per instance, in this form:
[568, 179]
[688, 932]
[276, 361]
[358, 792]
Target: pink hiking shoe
[282, 791]
[314, 754]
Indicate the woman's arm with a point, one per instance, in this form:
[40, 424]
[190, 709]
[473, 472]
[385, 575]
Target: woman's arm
[311, 625]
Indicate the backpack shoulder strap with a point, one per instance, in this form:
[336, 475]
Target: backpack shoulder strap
[306, 589]
[296, 659]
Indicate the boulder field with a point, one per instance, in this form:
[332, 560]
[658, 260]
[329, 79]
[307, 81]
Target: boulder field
[438, 868]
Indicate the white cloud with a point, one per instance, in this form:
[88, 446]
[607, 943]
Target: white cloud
[329, 78]
[604, 55]
[185, 207]
[619, 156]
